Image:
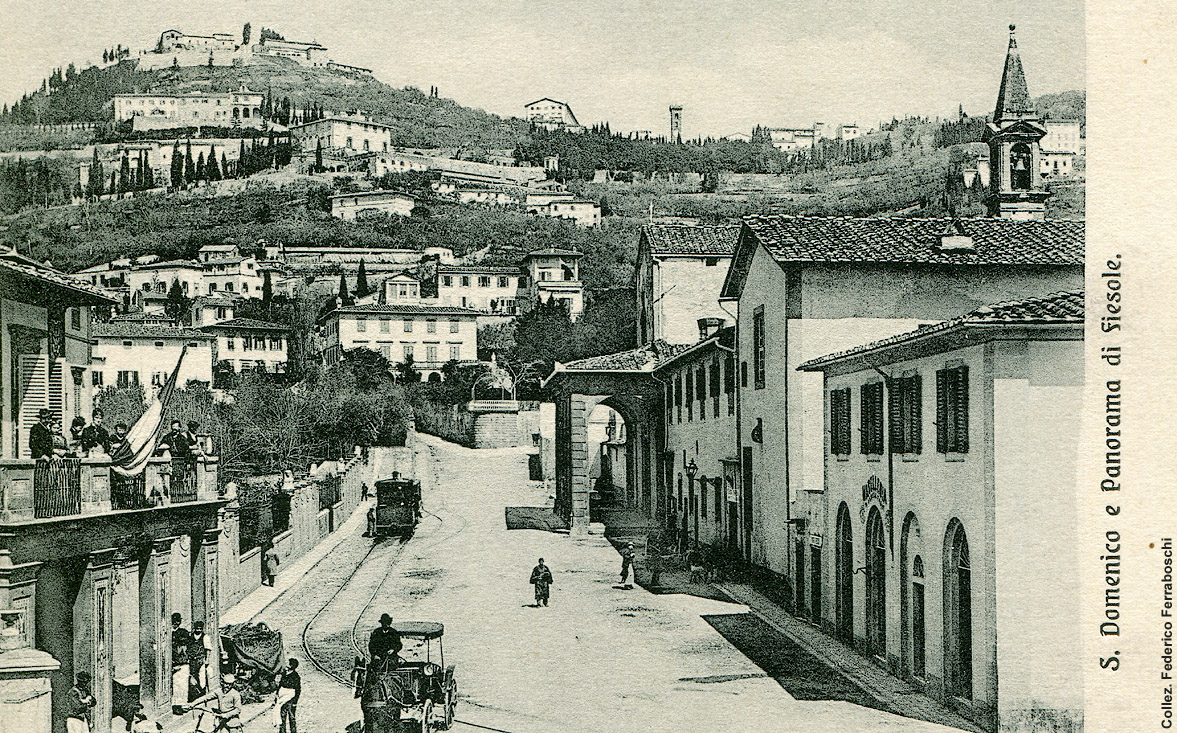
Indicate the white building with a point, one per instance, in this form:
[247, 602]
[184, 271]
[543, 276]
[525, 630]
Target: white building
[551, 114]
[249, 345]
[460, 171]
[353, 135]
[208, 310]
[1062, 136]
[847, 132]
[242, 108]
[157, 277]
[173, 39]
[351, 205]
[427, 335]
[305, 53]
[680, 271]
[140, 354]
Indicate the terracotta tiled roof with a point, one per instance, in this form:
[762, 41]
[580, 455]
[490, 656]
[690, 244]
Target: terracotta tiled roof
[20, 266]
[681, 239]
[191, 264]
[408, 309]
[555, 251]
[1062, 308]
[144, 330]
[246, 323]
[910, 241]
[479, 270]
[644, 358]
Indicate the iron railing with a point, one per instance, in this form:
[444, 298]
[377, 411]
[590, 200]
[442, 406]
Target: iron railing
[57, 488]
[128, 492]
[183, 482]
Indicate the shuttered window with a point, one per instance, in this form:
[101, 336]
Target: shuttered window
[871, 418]
[690, 395]
[758, 367]
[906, 430]
[713, 383]
[952, 410]
[677, 385]
[701, 390]
[840, 421]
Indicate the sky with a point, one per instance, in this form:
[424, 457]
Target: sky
[731, 65]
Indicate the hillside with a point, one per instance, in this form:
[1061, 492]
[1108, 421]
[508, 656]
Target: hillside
[416, 118]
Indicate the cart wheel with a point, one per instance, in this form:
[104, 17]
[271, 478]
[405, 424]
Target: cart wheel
[426, 716]
[451, 701]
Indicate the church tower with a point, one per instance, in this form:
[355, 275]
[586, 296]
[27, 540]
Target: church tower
[1015, 188]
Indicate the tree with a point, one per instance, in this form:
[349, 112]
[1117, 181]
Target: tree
[245, 33]
[267, 291]
[189, 164]
[201, 171]
[212, 169]
[318, 156]
[177, 165]
[362, 282]
[124, 174]
[544, 334]
[176, 307]
[344, 296]
[406, 372]
[94, 184]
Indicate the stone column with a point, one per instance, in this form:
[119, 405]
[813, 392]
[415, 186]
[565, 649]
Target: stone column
[93, 633]
[206, 595]
[155, 633]
[125, 616]
[578, 458]
[26, 702]
[228, 553]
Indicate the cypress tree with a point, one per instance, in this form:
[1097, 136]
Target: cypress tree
[189, 164]
[362, 281]
[211, 168]
[242, 170]
[177, 165]
[201, 172]
[344, 297]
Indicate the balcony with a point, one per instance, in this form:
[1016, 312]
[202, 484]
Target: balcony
[73, 487]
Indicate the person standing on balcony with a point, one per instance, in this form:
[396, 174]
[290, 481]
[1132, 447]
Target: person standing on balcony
[179, 446]
[60, 446]
[193, 441]
[118, 441]
[76, 428]
[95, 435]
[41, 435]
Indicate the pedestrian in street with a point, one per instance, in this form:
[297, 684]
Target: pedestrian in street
[224, 711]
[286, 701]
[385, 643]
[541, 578]
[41, 435]
[365, 492]
[627, 557]
[79, 703]
[371, 522]
[198, 653]
[270, 561]
[181, 642]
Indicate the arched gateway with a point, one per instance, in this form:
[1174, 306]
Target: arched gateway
[624, 382]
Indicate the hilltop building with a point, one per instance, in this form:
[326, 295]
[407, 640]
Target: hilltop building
[675, 123]
[551, 114]
[428, 336]
[306, 54]
[171, 40]
[352, 205]
[242, 108]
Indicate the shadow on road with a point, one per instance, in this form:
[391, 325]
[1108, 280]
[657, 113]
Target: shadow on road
[533, 517]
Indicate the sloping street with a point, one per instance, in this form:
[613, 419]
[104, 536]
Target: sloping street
[598, 658]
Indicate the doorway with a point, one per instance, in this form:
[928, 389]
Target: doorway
[958, 615]
[844, 586]
[876, 585]
[815, 584]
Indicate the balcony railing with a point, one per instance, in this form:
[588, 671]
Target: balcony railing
[57, 488]
[67, 487]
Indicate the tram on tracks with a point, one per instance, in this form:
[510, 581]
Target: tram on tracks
[398, 506]
[415, 692]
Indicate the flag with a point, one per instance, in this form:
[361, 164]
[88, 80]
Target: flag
[143, 437]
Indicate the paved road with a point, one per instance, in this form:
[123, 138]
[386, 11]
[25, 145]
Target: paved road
[599, 658]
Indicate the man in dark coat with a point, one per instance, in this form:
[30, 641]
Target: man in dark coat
[541, 578]
[628, 554]
[176, 442]
[181, 641]
[41, 435]
[385, 641]
[80, 702]
[95, 434]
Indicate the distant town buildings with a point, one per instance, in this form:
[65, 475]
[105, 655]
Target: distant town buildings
[248, 345]
[242, 108]
[500, 290]
[218, 270]
[171, 40]
[1061, 143]
[551, 114]
[428, 336]
[352, 205]
[130, 354]
[176, 48]
[307, 54]
[338, 133]
[452, 170]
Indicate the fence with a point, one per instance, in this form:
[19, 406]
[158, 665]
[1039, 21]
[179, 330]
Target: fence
[57, 488]
[183, 481]
[128, 492]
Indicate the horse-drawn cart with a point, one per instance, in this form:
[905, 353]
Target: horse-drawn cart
[415, 692]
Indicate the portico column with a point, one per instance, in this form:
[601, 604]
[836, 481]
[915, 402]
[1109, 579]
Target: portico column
[206, 596]
[93, 632]
[578, 443]
[155, 634]
[26, 702]
[125, 615]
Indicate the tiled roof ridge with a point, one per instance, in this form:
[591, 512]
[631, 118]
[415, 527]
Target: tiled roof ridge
[846, 217]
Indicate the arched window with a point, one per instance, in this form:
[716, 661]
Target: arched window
[1021, 162]
[958, 613]
[918, 655]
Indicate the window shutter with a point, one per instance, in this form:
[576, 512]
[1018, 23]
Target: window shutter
[864, 419]
[895, 414]
[941, 411]
[844, 421]
[916, 395]
[961, 421]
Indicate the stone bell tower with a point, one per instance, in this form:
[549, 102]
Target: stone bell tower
[1015, 188]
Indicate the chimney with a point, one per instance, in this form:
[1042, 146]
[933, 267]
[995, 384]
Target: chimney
[708, 327]
[955, 239]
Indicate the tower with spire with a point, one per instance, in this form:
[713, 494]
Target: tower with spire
[1016, 190]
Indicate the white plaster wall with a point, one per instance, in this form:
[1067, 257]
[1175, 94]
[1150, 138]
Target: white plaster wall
[685, 289]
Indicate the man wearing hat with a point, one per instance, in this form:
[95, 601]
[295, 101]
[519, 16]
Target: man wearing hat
[226, 707]
[78, 705]
[41, 435]
[385, 639]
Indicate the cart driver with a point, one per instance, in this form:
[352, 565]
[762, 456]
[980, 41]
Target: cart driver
[385, 642]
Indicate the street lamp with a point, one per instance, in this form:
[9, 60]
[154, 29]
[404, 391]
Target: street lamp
[692, 469]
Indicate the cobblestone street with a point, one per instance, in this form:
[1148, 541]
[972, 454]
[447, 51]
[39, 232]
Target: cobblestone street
[599, 658]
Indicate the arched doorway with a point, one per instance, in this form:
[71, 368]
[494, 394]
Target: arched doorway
[1021, 161]
[610, 455]
[844, 572]
[958, 613]
[876, 585]
[911, 599]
